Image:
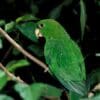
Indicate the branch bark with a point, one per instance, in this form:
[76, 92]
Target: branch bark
[10, 75]
[23, 51]
[96, 88]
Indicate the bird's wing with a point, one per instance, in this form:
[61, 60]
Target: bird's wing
[65, 62]
[66, 58]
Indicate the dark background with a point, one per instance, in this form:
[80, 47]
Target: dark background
[11, 9]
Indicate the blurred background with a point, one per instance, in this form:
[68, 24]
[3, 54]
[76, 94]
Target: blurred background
[67, 12]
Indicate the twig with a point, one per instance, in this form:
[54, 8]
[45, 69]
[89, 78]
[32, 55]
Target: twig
[9, 50]
[12, 76]
[96, 88]
[23, 51]
[6, 54]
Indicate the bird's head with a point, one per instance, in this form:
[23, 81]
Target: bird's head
[49, 28]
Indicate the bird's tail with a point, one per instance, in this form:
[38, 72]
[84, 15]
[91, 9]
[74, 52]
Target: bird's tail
[77, 87]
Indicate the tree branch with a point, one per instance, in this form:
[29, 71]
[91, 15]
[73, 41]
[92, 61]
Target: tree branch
[12, 76]
[23, 51]
[96, 88]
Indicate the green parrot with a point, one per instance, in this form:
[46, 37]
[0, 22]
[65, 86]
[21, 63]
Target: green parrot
[62, 55]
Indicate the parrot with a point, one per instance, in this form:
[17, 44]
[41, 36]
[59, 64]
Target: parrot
[63, 56]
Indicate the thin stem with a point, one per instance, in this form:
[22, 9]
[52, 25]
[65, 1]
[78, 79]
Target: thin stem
[23, 51]
[12, 76]
[96, 88]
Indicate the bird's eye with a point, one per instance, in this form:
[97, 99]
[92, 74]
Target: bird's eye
[40, 26]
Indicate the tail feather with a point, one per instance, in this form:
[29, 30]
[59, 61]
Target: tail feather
[77, 87]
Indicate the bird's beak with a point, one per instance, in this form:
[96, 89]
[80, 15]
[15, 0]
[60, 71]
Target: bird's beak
[38, 33]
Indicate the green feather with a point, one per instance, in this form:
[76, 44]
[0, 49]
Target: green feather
[63, 56]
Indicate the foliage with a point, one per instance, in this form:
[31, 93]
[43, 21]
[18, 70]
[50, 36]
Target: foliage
[18, 18]
[37, 91]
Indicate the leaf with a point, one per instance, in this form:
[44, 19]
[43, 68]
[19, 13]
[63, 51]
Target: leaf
[83, 17]
[9, 27]
[97, 2]
[5, 97]
[27, 29]
[25, 91]
[3, 79]
[2, 22]
[36, 91]
[74, 96]
[34, 8]
[52, 91]
[15, 52]
[26, 17]
[15, 64]
[11, 66]
[93, 78]
[55, 13]
[96, 97]
[36, 49]
[67, 2]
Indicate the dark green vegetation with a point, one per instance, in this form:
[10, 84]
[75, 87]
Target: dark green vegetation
[18, 18]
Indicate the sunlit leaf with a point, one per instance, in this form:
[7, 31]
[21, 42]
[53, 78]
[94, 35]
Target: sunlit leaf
[2, 22]
[5, 97]
[36, 91]
[3, 79]
[15, 64]
[83, 17]
[9, 27]
[11, 66]
[26, 17]
[27, 29]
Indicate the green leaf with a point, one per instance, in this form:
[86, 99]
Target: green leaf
[55, 13]
[36, 91]
[2, 22]
[74, 96]
[15, 64]
[15, 52]
[97, 2]
[83, 17]
[93, 78]
[9, 27]
[34, 8]
[97, 97]
[26, 17]
[5, 97]
[67, 2]
[52, 91]
[11, 66]
[27, 29]
[3, 79]
[36, 49]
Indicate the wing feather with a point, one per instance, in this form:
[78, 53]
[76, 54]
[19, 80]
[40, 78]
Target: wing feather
[66, 63]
